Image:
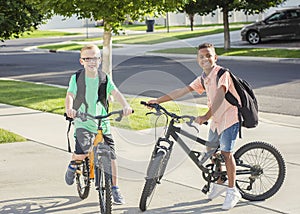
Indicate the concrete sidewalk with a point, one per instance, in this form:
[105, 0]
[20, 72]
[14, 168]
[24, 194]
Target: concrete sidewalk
[32, 173]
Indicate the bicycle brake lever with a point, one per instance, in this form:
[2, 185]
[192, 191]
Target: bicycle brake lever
[155, 113]
[118, 119]
[190, 124]
[81, 115]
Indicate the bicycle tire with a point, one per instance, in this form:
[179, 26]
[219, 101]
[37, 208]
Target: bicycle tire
[83, 179]
[152, 179]
[268, 171]
[104, 188]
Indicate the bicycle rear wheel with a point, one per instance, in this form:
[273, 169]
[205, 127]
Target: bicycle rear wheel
[83, 179]
[104, 188]
[260, 170]
[154, 174]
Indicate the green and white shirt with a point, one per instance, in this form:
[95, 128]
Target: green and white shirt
[95, 108]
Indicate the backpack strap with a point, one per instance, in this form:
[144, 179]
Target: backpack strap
[202, 82]
[102, 93]
[230, 98]
[81, 89]
[80, 95]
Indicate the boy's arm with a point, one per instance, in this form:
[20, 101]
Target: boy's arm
[127, 110]
[69, 105]
[173, 95]
[219, 98]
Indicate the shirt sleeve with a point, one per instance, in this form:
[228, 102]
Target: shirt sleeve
[196, 85]
[72, 85]
[225, 80]
[110, 85]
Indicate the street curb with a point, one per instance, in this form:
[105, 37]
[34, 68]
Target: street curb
[240, 58]
[189, 56]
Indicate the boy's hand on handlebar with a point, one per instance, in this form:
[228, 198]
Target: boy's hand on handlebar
[154, 101]
[127, 110]
[201, 120]
[71, 113]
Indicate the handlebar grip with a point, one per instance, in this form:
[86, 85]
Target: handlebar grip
[68, 118]
[152, 105]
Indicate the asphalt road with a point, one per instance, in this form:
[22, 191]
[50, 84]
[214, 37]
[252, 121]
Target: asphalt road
[276, 84]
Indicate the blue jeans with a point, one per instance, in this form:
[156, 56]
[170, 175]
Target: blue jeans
[226, 139]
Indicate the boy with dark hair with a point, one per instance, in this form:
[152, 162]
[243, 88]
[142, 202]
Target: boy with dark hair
[224, 124]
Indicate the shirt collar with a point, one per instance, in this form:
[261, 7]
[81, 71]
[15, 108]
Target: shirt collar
[214, 69]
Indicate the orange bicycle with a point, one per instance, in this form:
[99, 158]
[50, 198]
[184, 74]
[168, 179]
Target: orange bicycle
[96, 166]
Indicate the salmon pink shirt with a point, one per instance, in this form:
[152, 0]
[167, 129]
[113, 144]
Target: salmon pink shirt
[227, 114]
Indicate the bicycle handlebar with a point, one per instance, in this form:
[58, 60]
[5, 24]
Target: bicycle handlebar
[84, 116]
[160, 109]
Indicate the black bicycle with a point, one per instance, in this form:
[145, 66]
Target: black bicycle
[260, 166]
[97, 165]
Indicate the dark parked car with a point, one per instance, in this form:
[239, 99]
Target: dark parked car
[283, 24]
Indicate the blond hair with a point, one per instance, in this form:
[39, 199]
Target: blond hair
[90, 47]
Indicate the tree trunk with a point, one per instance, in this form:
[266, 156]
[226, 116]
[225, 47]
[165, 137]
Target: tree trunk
[226, 29]
[191, 16]
[107, 53]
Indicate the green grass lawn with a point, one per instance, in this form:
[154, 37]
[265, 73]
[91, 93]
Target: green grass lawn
[9, 137]
[76, 45]
[137, 39]
[254, 52]
[143, 27]
[51, 99]
[155, 38]
[65, 47]
[46, 33]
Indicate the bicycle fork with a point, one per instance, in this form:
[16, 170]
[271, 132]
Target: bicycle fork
[165, 147]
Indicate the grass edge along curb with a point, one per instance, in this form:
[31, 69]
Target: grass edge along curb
[250, 52]
[51, 99]
[10, 137]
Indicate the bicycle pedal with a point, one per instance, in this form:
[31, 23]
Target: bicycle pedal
[205, 189]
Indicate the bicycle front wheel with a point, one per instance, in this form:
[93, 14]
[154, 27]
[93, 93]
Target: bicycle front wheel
[260, 170]
[104, 188]
[152, 179]
[83, 179]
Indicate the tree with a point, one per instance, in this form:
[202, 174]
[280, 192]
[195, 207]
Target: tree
[17, 17]
[247, 6]
[112, 12]
[190, 9]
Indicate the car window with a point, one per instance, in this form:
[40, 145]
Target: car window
[293, 14]
[274, 17]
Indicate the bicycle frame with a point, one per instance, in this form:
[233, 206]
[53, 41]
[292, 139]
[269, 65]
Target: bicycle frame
[96, 165]
[173, 131]
[91, 154]
[256, 161]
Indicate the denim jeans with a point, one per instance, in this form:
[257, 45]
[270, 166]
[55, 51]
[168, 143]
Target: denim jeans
[226, 139]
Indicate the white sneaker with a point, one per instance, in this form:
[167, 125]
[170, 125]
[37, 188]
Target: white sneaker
[217, 190]
[232, 198]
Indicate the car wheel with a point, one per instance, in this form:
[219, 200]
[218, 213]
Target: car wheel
[253, 37]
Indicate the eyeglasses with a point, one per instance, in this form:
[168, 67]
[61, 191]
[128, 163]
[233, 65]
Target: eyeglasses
[89, 59]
